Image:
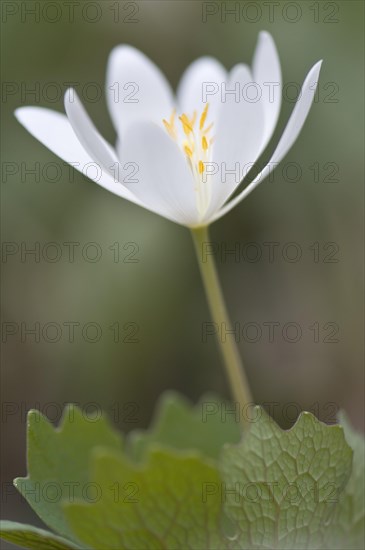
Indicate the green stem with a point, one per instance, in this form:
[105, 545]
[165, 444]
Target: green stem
[232, 362]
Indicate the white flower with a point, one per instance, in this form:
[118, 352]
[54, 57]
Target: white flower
[173, 156]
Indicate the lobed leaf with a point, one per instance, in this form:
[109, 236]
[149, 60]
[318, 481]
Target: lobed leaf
[157, 505]
[281, 487]
[28, 536]
[58, 462]
[178, 424]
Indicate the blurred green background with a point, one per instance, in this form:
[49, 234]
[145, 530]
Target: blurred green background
[162, 292]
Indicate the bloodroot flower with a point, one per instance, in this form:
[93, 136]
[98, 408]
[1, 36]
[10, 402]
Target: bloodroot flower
[173, 154]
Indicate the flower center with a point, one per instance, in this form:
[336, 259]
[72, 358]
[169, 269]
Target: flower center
[195, 142]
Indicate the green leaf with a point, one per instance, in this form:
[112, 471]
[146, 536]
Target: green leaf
[158, 505]
[58, 462]
[348, 529]
[28, 536]
[189, 483]
[281, 487]
[180, 425]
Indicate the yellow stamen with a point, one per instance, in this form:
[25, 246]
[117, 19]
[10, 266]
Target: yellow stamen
[186, 124]
[197, 139]
[188, 151]
[203, 117]
[170, 126]
[208, 128]
[167, 125]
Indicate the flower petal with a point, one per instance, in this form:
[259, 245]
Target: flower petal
[201, 83]
[267, 73]
[288, 138]
[238, 137]
[55, 132]
[93, 143]
[162, 178]
[136, 89]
